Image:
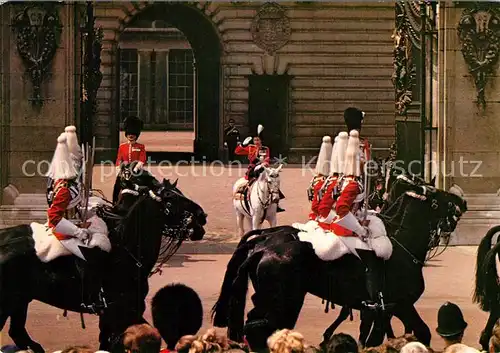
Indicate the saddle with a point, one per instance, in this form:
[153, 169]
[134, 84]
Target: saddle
[243, 191]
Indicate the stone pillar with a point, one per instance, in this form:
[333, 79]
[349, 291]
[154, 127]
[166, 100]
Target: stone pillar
[4, 96]
[475, 130]
[34, 130]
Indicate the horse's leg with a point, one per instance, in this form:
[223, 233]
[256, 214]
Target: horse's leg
[388, 328]
[412, 320]
[17, 330]
[240, 223]
[278, 298]
[343, 315]
[272, 220]
[377, 335]
[488, 329]
[366, 321]
[256, 221]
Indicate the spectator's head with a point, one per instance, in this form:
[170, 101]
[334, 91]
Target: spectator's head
[460, 348]
[341, 343]
[78, 349]
[286, 341]
[142, 339]
[451, 323]
[231, 122]
[177, 311]
[210, 342]
[495, 339]
[396, 344]
[414, 347]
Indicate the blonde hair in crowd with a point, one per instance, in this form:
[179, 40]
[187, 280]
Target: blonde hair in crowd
[210, 342]
[286, 341]
[495, 338]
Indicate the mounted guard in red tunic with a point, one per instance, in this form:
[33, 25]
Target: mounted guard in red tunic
[64, 233]
[352, 229]
[322, 170]
[258, 157]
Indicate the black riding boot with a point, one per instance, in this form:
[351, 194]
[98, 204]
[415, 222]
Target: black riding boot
[279, 209]
[374, 279]
[116, 190]
[92, 294]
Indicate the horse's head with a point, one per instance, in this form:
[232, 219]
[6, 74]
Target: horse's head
[272, 177]
[445, 209]
[184, 217]
[449, 206]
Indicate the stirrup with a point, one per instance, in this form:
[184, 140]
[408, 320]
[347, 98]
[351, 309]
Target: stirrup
[375, 306]
[96, 308]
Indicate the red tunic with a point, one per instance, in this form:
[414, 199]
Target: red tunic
[57, 209]
[130, 152]
[327, 202]
[316, 200]
[344, 205]
[252, 152]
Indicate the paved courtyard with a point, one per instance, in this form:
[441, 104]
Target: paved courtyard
[449, 277]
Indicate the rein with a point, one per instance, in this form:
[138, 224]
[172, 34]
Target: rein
[399, 203]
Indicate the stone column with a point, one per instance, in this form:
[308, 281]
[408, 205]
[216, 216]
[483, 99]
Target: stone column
[4, 96]
[475, 135]
[34, 130]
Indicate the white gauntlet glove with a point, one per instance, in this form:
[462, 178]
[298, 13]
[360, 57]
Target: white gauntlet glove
[68, 228]
[247, 141]
[82, 233]
[138, 166]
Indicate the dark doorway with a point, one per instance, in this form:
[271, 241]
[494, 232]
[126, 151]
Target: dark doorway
[268, 105]
[206, 47]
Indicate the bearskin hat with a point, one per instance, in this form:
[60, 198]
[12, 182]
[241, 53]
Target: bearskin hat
[177, 311]
[353, 118]
[133, 126]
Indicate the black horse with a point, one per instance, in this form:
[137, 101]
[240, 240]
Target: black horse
[487, 291]
[283, 270]
[148, 222]
[397, 182]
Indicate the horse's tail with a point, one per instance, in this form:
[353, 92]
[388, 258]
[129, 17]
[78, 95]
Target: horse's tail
[486, 290]
[220, 310]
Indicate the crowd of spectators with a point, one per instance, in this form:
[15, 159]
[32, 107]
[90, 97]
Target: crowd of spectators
[177, 314]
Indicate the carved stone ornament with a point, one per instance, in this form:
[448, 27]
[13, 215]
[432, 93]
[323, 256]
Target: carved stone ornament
[271, 28]
[403, 76]
[479, 33]
[37, 29]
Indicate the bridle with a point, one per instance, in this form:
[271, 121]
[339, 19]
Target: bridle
[271, 191]
[435, 225]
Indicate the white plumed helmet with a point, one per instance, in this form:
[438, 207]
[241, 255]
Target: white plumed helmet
[260, 128]
[340, 151]
[352, 156]
[325, 152]
[62, 166]
[72, 140]
[334, 160]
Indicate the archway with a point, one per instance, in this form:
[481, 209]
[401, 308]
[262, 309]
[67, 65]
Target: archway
[206, 47]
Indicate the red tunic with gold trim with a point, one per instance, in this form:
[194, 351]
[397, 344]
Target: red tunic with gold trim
[253, 152]
[317, 185]
[345, 203]
[64, 196]
[326, 206]
[130, 152]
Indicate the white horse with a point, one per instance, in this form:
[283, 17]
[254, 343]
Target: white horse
[262, 203]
